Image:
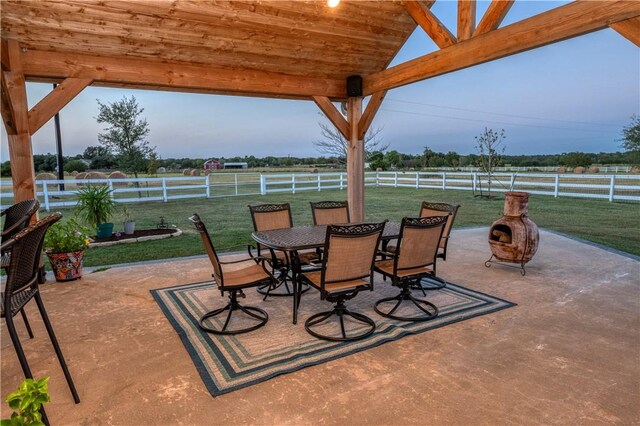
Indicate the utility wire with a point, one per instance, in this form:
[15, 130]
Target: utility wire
[493, 121]
[501, 114]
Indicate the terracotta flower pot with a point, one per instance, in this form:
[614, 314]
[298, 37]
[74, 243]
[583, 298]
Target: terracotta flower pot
[66, 266]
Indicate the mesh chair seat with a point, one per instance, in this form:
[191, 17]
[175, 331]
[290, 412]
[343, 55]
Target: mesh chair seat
[245, 276]
[315, 278]
[18, 300]
[386, 266]
[5, 260]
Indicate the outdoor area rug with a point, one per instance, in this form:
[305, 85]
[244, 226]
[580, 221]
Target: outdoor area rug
[228, 363]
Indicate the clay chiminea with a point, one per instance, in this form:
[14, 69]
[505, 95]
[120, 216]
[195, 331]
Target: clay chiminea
[514, 237]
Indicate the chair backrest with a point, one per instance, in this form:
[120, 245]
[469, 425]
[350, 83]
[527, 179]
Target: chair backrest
[437, 209]
[330, 212]
[17, 217]
[418, 241]
[271, 216]
[208, 246]
[350, 251]
[26, 250]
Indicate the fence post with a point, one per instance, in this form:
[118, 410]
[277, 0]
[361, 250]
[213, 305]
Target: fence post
[513, 181]
[395, 180]
[341, 182]
[444, 180]
[45, 194]
[235, 180]
[263, 185]
[612, 188]
[111, 189]
[208, 189]
[377, 178]
[319, 182]
[293, 183]
[165, 198]
[417, 180]
[557, 186]
[474, 179]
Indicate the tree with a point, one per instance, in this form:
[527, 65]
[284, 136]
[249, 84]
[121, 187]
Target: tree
[100, 156]
[631, 135]
[377, 161]
[332, 142]
[393, 158]
[490, 149]
[576, 159]
[154, 163]
[126, 134]
[75, 166]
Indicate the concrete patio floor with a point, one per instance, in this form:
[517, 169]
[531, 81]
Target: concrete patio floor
[568, 353]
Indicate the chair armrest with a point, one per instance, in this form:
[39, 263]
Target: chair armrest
[10, 229]
[386, 253]
[256, 259]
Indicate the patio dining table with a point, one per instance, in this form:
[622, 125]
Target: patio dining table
[297, 238]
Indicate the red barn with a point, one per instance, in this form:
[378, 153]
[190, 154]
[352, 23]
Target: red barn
[212, 165]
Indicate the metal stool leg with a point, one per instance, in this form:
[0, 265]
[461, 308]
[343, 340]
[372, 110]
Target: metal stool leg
[56, 347]
[26, 323]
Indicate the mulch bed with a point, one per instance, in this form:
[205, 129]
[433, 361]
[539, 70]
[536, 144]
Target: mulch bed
[136, 234]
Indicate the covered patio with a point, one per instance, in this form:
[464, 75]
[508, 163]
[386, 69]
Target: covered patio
[568, 353]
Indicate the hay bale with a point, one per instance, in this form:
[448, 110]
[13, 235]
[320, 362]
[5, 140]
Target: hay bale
[379, 169]
[46, 176]
[186, 172]
[195, 172]
[207, 172]
[578, 170]
[118, 175]
[594, 169]
[81, 176]
[635, 169]
[74, 173]
[162, 170]
[561, 170]
[96, 175]
[314, 171]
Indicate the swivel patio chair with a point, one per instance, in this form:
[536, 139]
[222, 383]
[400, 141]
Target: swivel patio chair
[330, 212]
[234, 281]
[414, 259]
[17, 217]
[267, 217]
[347, 269]
[22, 286]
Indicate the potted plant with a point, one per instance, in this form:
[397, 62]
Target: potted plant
[95, 207]
[26, 401]
[129, 225]
[65, 244]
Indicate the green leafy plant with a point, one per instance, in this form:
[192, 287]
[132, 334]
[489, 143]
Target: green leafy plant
[66, 237]
[26, 402]
[126, 214]
[95, 205]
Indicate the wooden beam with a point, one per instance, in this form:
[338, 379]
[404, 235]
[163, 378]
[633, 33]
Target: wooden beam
[466, 19]
[333, 115]
[431, 25]
[51, 104]
[370, 113]
[493, 17]
[355, 162]
[142, 74]
[630, 29]
[559, 24]
[15, 105]
[7, 112]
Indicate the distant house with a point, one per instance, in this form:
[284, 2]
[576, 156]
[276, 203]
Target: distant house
[212, 165]
[236, 165]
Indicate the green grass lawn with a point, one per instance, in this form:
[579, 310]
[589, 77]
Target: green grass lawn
[616, 225]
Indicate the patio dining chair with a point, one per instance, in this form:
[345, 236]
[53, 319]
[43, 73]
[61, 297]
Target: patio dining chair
[267, 217]
[347, 269]
[413, 260]
[233, 281]
[22, 286]
[330, 212]
[16, 218]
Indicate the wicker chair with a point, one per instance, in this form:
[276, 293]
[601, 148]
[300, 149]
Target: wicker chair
[234, 281]
[22, 286]
[330, 212]
[414, 259]
[437, 209]
[16, 218]
[267, 217]
[347, 269]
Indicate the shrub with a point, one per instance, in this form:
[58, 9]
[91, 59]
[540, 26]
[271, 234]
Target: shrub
[27, 400]
[76, 165]
[66, 237]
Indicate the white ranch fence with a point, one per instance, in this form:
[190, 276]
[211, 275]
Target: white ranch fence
[596, 186]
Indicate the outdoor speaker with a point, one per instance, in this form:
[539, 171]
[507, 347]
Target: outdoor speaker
[354, 85]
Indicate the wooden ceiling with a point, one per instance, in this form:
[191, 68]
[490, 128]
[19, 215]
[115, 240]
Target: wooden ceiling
[296, 38]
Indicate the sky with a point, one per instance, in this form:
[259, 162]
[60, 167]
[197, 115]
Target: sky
[575, 95]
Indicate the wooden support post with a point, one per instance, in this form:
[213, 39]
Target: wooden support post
[16, 113]
[355, 161]
[466, 19]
